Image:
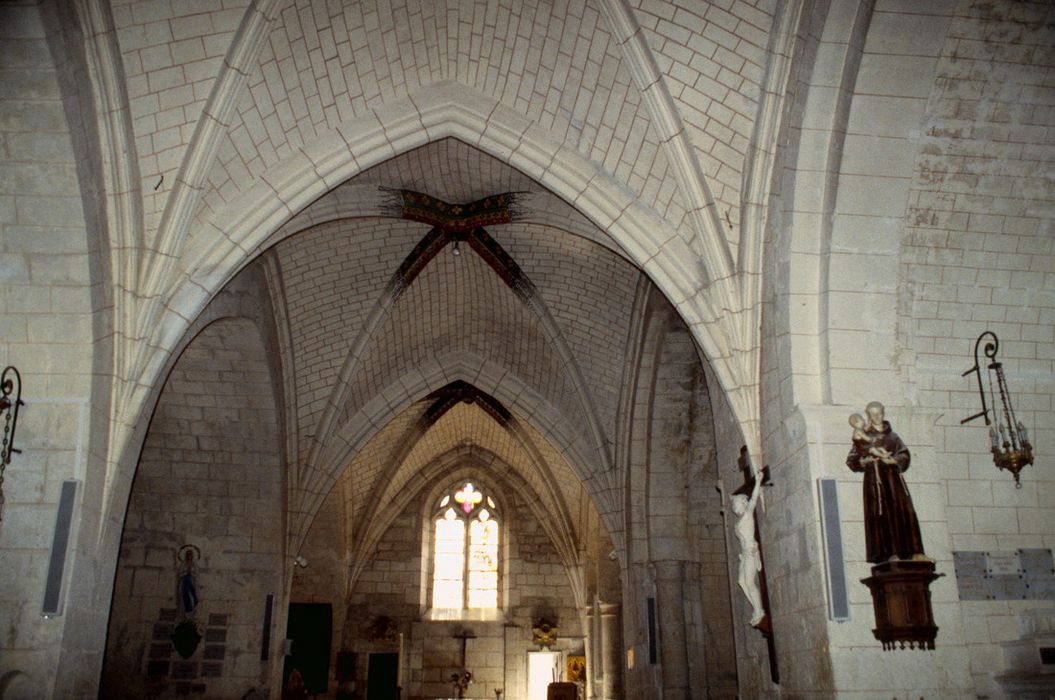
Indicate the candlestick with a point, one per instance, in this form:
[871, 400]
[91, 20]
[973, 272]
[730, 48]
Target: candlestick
[399, 668]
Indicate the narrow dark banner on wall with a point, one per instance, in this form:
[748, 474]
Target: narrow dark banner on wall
[265, 644]
[653, 655]
[838, 599]
[59, 545]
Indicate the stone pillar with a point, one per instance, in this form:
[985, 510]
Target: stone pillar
[673, 654]
[611, 651]
[514, 672]
[592, 650]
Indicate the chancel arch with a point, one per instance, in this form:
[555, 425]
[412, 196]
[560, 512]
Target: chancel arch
[414, 349]
[390, 554]
[219, 246]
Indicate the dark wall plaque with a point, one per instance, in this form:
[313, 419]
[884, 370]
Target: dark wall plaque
[838, 597]
[214, 652]
[184, 670]
[211, 669]
[163, 631]
[157, 668]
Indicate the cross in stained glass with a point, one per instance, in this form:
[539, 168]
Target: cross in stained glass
[468, 497]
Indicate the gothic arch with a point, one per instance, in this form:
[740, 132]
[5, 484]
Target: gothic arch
[478, 465]
[235, 234]
[510, 390]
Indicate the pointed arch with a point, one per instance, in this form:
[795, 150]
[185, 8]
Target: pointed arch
[444, 399]
[447, 109]
[416, 385]
[478, 465]
[238, 232]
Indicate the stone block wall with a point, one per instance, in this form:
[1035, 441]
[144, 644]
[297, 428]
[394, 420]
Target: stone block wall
[209, 476]
[392, 584]
[685, 472]
[326, 558]
[979, 255]
[676, 549]
[47, 333]
[865, 356]
[919, 222]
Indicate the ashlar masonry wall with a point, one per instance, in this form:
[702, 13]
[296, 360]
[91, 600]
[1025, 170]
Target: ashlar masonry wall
[46, 302]
[929, 223]
[979, 255]
[209, 476]
[685, 516]
[676, 548]
[865, 357]
[536, 585]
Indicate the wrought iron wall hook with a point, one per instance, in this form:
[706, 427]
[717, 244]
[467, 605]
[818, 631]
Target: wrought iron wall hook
[10, 402]
[1009, 441]
[990, 352]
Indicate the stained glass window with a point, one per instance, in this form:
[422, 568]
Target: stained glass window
[483, 562]
[465, 552]
[450, 550]
[468, 497]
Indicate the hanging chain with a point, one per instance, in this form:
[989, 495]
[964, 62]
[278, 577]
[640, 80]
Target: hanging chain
[993, 403]
[1010, 444]
[10, 383]
[5, 457]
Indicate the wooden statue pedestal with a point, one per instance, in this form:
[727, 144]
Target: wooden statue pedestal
[901, 597]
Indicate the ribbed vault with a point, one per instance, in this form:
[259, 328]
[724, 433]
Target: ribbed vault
[410, 453]
[537, 309]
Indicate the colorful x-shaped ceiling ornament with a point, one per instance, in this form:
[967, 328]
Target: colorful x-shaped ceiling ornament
[452, 223]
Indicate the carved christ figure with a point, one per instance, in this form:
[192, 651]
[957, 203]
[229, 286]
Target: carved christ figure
[891, 527]
[750, 558]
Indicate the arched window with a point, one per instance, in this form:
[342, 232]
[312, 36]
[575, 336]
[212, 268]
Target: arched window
[465, 550]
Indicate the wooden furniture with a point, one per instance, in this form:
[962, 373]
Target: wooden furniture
[562, 691]
[901, 598]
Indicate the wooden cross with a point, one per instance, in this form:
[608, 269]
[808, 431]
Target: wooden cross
[464, 635]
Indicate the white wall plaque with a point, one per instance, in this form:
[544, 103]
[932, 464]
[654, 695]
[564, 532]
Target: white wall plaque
[1003, 563]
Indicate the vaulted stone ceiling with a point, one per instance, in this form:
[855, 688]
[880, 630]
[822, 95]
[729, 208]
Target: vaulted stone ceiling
[238, 117]
[366, 356]
[305, 82]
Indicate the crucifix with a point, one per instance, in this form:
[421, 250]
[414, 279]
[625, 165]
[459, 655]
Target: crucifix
[462, 679]
[744, 500]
